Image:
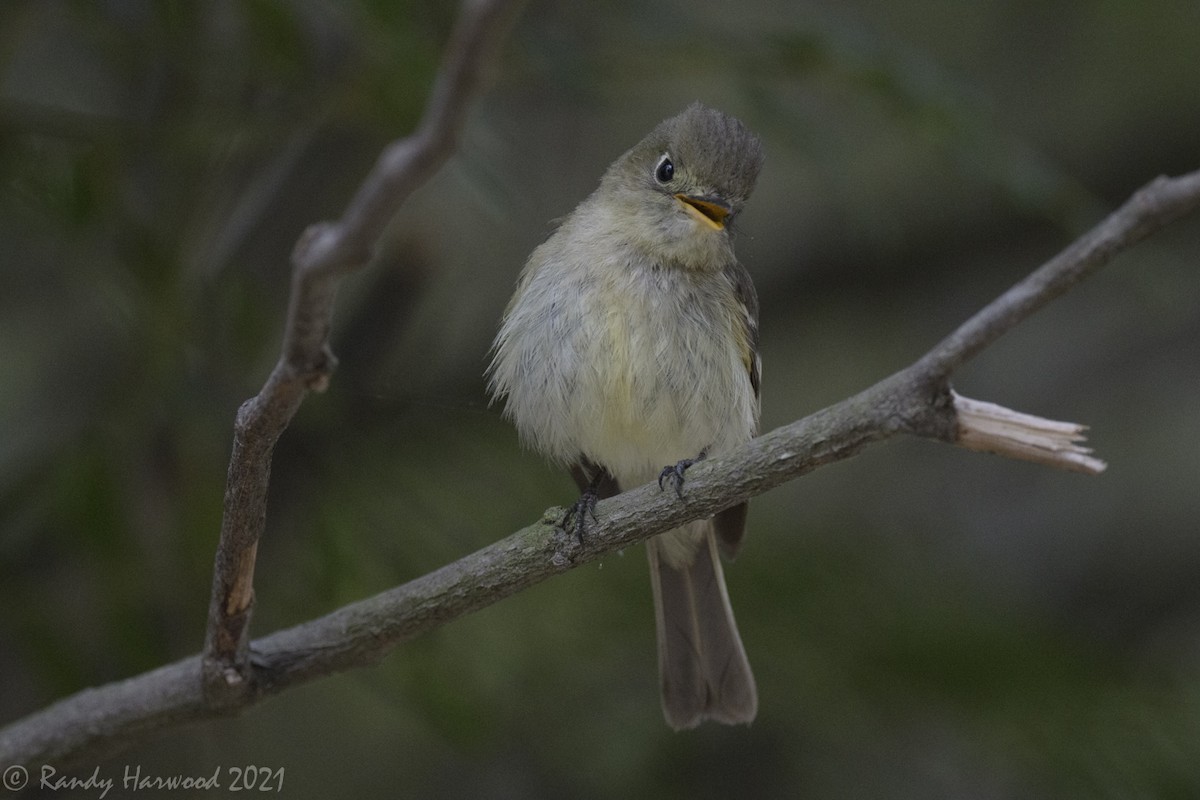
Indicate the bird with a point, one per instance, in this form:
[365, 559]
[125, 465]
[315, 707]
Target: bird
[629, 351]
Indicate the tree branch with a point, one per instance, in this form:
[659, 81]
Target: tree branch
[1155, 205]
[917, 400]
[324, 254]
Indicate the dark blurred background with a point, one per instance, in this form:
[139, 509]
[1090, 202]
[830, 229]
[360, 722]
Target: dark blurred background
[923, 621]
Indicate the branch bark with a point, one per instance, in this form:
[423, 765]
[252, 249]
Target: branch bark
[916, 400]
[325, 254]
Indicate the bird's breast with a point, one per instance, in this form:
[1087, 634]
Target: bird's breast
[661, 375]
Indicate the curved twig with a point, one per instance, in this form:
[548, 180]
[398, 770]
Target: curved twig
[325, 253]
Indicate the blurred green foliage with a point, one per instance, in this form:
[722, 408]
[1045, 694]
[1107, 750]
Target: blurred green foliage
[923, 622]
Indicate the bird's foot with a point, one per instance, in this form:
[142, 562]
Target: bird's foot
[577, 514]
[673, 473]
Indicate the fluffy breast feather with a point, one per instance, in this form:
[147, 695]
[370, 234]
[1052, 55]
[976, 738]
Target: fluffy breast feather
[631, 366]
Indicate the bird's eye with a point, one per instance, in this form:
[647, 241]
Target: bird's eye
[665, 169]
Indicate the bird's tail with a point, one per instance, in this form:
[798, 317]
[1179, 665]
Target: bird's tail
[701, 661]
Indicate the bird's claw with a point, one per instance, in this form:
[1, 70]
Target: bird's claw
[579, 511]
[673, 473]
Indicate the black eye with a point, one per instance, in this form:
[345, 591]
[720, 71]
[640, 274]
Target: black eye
[665, 170]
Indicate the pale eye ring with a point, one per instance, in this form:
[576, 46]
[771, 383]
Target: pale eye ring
[665, 171]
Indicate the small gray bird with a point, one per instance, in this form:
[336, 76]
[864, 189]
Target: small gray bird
[631, 343]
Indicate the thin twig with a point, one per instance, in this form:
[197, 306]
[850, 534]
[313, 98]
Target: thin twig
[324, 255]
[915, 400]
[1155, 205]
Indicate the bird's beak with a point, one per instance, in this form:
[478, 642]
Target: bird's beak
[710, 209]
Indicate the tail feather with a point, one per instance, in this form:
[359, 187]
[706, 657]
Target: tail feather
[702, 664]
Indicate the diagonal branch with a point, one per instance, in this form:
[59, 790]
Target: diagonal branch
[916, 400]
[1155, 205]
[324, 255]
